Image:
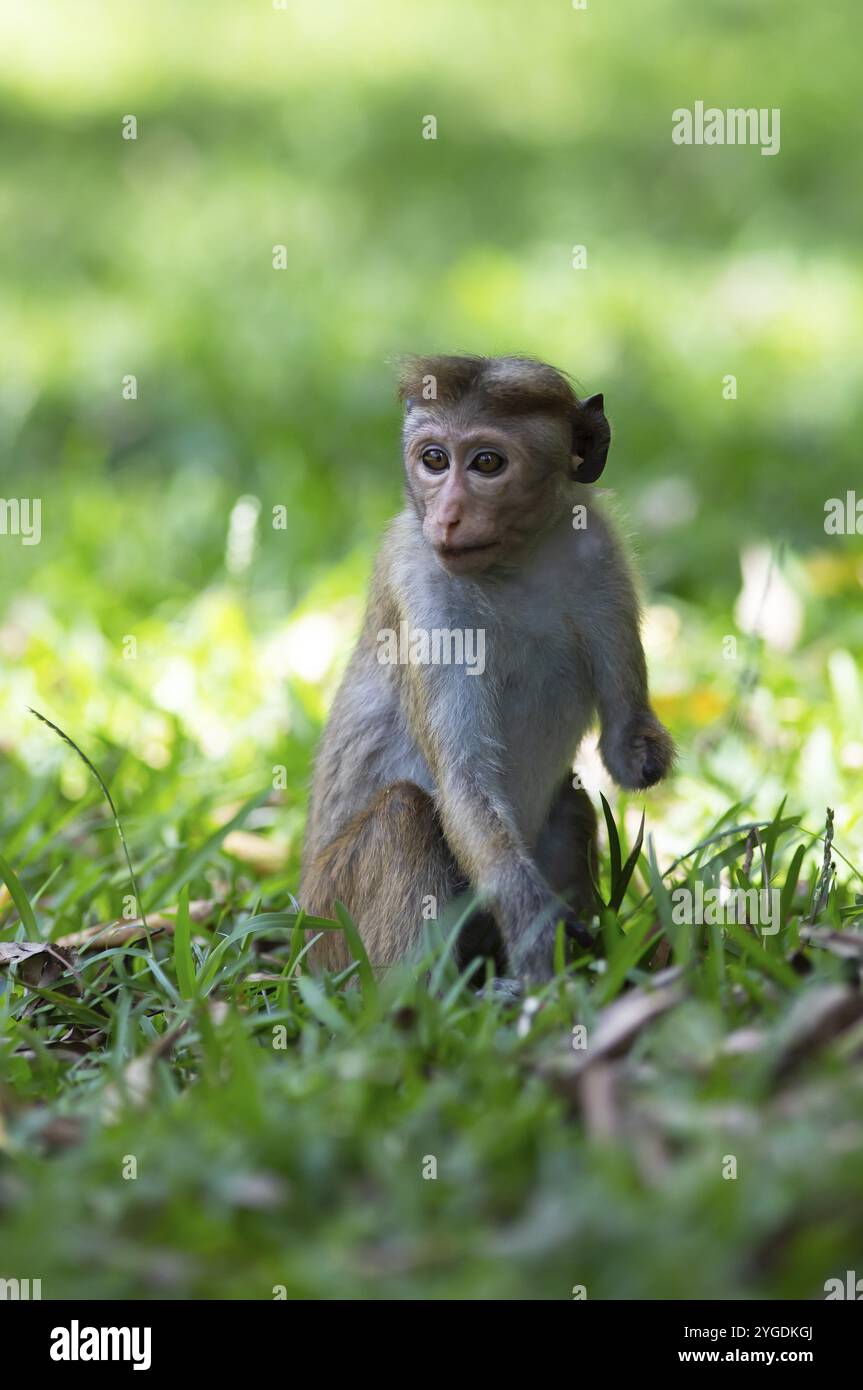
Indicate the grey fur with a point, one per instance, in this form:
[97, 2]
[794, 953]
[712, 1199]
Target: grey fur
[430, 779]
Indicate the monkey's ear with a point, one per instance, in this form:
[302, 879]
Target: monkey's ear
[591, 436]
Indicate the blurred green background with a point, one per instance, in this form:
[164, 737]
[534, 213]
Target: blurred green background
[262, 388]
[302, 127]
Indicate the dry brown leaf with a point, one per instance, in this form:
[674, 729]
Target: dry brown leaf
[40, 963]
[817, 1016]
[111, 934]
[847, 943]
[79, 1041]
[620, 1023]
[13, 952]
[742, 1042]
[123, 933]
[598, 1090]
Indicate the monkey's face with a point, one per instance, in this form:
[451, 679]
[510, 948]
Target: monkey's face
[484, 490]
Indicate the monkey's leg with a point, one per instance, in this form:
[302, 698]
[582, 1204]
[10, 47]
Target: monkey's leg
[567, 857]
[384, 866]
[566, 850]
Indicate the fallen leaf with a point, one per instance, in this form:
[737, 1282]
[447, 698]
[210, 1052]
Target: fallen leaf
[598, 1087]
[817, 1017]
[12, 952]
[40, 962]
[742, 1042]
[124, 932]
[112, 934]
[620, 1023]
[77, 1041]
[847, 943]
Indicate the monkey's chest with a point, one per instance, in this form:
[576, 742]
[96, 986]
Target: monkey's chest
[545, 705]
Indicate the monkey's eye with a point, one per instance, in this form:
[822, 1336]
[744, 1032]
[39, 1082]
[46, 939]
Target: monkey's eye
[487, 461]
[435, 459]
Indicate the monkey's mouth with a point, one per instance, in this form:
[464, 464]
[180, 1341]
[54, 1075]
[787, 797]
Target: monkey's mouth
[454, 552]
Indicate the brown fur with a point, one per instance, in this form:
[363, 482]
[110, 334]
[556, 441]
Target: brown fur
[506, 386]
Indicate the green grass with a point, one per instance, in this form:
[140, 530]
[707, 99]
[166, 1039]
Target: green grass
[280, 1124]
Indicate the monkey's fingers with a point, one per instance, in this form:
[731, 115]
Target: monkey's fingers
[642, 755]
[507, 990]
[576, 930]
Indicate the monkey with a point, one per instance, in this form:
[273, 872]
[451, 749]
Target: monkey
[436, 778]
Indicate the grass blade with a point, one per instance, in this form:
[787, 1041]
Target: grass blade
[20, 899]
[110, 800]
[628, 870]
[184, 962]
[613, 847]
[789, 887]
[358, 951]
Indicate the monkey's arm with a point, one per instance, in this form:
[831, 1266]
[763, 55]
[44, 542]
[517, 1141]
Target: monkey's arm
[454, 718]
[635, 747]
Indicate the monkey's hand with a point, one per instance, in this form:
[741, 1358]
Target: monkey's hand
[639, 753]
[533, 958]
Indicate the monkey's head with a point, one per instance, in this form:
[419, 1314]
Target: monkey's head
[492, 446]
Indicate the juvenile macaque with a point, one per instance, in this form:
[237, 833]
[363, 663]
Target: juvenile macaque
[438, 777]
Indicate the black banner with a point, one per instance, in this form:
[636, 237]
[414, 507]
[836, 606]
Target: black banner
[150, 1338]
